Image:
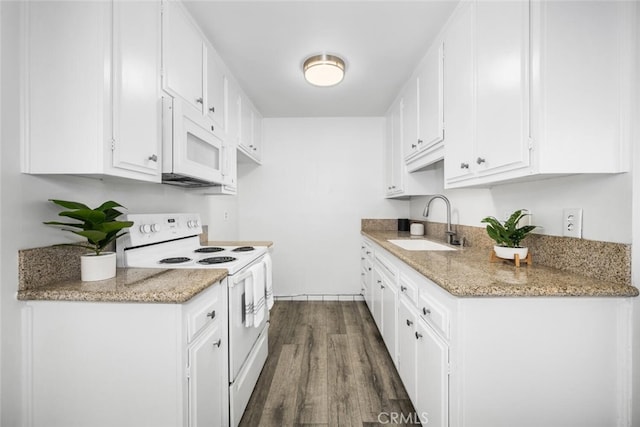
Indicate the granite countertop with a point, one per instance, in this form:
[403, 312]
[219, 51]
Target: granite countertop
[47, 274]
[467, 272]
[150, 285]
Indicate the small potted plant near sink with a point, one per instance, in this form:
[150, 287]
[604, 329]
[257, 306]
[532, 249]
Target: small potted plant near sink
[99, 227]
[508, 235]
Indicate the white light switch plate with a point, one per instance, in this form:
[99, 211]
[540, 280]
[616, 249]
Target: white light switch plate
[572, 222]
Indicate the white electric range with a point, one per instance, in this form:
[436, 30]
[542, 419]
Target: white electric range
[173, 241]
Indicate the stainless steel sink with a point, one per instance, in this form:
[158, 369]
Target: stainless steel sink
[421, 245]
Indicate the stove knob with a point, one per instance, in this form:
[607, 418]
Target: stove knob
[195, 223]
[190, 224]
[146, 228]
[155, 228]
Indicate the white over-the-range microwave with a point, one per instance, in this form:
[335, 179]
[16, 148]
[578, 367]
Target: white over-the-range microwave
[192, 154]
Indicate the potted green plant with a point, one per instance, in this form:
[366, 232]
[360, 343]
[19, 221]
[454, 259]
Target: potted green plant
[99, 227]
[508, 235]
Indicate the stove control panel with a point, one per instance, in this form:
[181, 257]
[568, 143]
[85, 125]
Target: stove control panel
[156, 228]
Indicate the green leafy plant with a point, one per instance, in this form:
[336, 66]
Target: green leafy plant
[98, 226]
[508, 233]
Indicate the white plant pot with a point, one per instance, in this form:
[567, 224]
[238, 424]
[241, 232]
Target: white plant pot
[97, 267]
[510, 253]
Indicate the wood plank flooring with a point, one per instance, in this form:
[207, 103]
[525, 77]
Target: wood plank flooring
[327, 366]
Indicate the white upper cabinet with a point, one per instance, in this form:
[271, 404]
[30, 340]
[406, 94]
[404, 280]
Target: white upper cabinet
[192, 69]
[91, 89]
[183, 55]
[217, 90]
[424, 145]
[458, 88]
[582, 83]
[486, 91]
[502, 85]
[250, 137]
[545, 86]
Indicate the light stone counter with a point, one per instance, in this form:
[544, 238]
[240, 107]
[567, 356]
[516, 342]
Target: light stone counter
[53, 273]
[467, 272]
[131, 285]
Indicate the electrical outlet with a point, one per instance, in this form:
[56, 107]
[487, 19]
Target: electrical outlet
[572, 222]
[226, 216]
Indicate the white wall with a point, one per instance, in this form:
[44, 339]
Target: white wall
[319, 177]
[222, 217]
[605, 200]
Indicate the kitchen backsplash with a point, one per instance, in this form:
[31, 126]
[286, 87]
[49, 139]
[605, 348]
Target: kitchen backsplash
[601, 260]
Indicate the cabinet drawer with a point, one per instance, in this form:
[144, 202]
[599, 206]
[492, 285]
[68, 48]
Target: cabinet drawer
[409, 290]
[387, 266]
[204, 311]
[434, 314]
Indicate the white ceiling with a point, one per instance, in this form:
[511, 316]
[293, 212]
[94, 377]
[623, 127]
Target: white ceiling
[264, 43]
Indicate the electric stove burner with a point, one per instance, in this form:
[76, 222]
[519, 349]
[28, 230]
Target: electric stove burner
[208, 249]
[243, 249]
[217, 260]
[175, 260]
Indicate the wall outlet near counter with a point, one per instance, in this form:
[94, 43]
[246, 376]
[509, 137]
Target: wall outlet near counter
[572, 222]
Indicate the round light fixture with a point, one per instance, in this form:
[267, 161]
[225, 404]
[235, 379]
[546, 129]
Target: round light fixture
[323, 70]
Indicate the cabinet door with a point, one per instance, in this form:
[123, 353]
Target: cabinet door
[430, 100]
[136, 99]
[67, 51]
[207, 385]
[458, 92]
[377, 300]
[502, 108]
[256, 129]
[246, 125]
[397, 162]
[216, 101]
[432, 376]
[182, 55]
[410, 111]
[388, 155]
[390, 316]
[407, 347]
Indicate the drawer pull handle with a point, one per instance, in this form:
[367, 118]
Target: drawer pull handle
[381, 286]
[153, 158]
[212, 314]
[464, 165]
[369, 269]
[218, 343]
[426, 311]
[368, 253]
[199, 100]
[409, 322]
[480, 160]
[403, 288]
[379, 281]
[418, 335]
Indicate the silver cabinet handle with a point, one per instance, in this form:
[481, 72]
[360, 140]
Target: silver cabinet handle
[218, 343]
[480, 160]
[426, 311]
[212, 109]
[369, 269]
[153, 158]
[413, 145]
[379, 281]
[403, 288]
[409, 322]
[381, 286]
[212, 314]
[362, 258]
[362, 274]
[418, 335]
[420, 141]
[464, 165]
[199, 101]
[368, 252]
[212, 128]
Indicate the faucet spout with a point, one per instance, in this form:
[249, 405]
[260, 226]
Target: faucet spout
[450, 233]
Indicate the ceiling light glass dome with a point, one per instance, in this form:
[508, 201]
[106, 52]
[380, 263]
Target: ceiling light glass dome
[323, 70]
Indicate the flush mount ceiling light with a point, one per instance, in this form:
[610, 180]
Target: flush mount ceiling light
[323, 70]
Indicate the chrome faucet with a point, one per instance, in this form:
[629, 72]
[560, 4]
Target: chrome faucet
[450, 233]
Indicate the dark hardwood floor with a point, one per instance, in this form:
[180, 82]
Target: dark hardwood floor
[327, 366]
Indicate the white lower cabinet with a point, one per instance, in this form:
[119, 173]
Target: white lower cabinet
[127, 364]
[432, 376]
[504, 362]
[407, 346]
